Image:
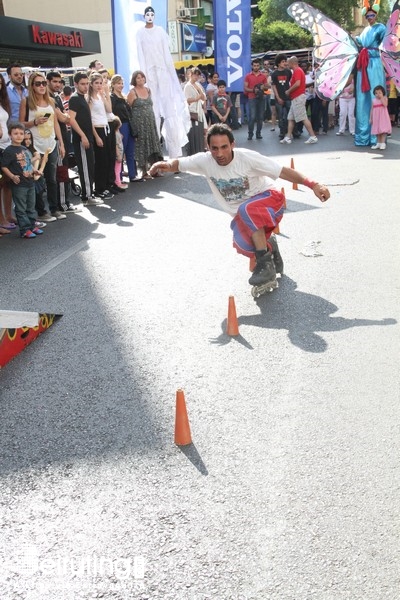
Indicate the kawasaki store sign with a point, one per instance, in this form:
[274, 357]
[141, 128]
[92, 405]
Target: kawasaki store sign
[43, 44]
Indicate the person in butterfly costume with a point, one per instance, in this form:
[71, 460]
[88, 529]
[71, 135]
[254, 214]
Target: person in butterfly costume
[370, 73]
[337, 54]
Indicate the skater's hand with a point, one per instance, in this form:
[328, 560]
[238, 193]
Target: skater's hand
[171, 166]
[322, 192]
[158, 166]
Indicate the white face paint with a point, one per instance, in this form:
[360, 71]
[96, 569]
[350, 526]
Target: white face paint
[149, 17]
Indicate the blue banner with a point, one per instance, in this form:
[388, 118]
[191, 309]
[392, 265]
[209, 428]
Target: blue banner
[193, 38]
[232, 41]
[127, 17]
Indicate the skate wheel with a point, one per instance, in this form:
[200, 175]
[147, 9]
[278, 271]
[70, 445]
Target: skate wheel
[259, 290]
[255, 292]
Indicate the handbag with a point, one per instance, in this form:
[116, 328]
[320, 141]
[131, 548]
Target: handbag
[194, 116]
[62, 174]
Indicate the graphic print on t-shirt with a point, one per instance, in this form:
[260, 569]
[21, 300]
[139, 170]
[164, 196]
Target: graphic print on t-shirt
[24, 161]
[232, 189]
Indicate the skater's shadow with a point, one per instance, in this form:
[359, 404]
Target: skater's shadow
[303, 315]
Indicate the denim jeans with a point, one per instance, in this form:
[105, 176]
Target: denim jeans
[24, 202]
[282, 113]
[129, 149]
[256, 115]
[49, 173]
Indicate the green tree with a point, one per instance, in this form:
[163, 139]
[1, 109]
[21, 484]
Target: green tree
[341, 11]
[281, 36]
[274, 28]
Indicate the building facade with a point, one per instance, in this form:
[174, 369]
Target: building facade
[189, 26]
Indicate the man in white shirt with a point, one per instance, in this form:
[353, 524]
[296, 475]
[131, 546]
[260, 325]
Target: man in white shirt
[242, 182]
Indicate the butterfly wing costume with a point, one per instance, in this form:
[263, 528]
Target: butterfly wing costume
[337, 54]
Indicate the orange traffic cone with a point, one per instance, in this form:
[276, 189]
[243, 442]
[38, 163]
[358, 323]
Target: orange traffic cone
[183, 436]
[294, 186]
[232, 325]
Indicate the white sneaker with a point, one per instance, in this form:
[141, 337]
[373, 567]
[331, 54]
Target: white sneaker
[286, 140]
[58, 215]
[382, 146]
[376, 147]
[340, 133]
[93, 202]
[312, 140]
[48, 218]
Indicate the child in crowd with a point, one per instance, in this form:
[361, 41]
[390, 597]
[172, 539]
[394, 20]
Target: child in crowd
[347, 104]
[40, 183]
[221, 103]
[119, 153]
[17, 165]
[379, 117]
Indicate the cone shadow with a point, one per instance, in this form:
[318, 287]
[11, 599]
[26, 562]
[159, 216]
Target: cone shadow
[190, 451]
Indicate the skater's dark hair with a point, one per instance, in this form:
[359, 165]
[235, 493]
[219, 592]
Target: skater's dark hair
[220, 129]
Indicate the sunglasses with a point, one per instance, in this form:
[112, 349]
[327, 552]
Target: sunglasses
[370, 16]
[39, 83]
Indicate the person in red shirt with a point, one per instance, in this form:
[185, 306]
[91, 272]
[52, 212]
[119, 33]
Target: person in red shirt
[254, 84]
[297, 94]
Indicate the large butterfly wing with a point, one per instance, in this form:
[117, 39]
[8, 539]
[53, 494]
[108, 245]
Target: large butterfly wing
[392, 67]
[391, 42]
[334, 50]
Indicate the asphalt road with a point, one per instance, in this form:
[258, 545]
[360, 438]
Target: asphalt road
[290, 490]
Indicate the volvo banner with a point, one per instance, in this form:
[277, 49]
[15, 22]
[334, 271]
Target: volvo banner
[128, 16]
[232, 43]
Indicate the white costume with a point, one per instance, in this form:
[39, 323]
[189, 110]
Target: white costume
[168, 99]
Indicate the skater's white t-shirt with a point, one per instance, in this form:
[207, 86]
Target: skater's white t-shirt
[248, 174]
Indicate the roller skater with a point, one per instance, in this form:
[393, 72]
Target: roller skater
[242, 182]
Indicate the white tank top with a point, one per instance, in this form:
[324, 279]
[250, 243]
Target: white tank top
[44, 136]
[99, 115]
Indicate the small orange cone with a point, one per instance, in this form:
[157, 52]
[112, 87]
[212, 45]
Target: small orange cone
[183, 436]
[232, 325]
[294, 186]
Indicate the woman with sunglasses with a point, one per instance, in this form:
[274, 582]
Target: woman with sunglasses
[38, 114]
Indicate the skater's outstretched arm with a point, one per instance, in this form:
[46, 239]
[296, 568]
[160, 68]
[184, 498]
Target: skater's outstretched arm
[320, 190]
[166, 166]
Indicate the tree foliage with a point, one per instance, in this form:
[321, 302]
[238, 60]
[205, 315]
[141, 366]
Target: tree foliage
[281, 36]
[274, 28]
[341, 11]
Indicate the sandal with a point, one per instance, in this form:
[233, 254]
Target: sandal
[4, 231]
[8, 225]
